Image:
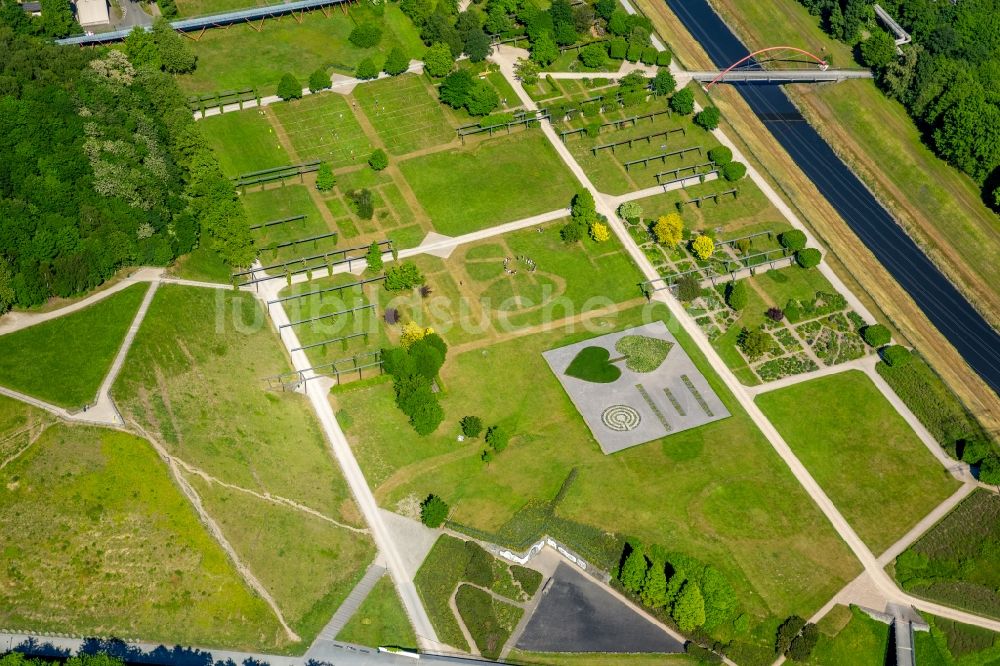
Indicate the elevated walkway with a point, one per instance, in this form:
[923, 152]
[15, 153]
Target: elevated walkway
[778, 75]
[210, 21]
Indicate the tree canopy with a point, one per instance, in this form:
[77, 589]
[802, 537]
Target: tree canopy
[947, 78]
[101, 167]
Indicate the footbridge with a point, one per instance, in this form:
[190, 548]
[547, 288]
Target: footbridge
[779, 64]
[779, 75]
[254, 16]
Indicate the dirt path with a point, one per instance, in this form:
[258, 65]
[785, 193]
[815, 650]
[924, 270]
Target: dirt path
[216, 532]
[33, 436]
[265, 496]
[473, 648]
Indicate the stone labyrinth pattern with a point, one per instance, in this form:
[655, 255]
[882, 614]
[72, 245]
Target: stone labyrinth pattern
[621, 418]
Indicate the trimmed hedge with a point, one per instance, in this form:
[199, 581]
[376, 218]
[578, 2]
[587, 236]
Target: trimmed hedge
[721, 155]
[793, 239]
[896, 355]
[876, 335]
[734, 171]
[438, 576]
[528, 578]
[808, 257]
[489, 620]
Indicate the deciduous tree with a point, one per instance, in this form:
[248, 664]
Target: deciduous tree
[438, 60]
[669, 229]
[433, 511]
[682, 102]
[289, 87]
[703, 247]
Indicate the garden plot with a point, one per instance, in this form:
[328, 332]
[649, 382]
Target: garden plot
[680, 144]
[405, 116]
[323, 127]
[271, 205]
[635, 386]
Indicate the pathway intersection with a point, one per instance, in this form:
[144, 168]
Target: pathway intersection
[872, 588]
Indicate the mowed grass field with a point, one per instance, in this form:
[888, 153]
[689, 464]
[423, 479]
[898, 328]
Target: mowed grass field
[244, 141]
[283, 202]
[848, 637]
[717, 492]
[97, 540]
[322, 127]
[240, 57]
[193, 380]
[405, 115]
[862, 452]
[473, 300]
[64, 360]
[606, 166]
[491, 182]
[380, 620]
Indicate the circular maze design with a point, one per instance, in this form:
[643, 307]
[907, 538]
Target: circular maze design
[621, 418]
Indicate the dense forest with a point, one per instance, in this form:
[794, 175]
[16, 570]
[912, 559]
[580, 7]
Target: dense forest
[101, 165]
[948, 77]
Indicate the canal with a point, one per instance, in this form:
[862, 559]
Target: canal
[944, 305]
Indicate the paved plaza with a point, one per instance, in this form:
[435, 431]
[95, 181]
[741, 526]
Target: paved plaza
[638, 407]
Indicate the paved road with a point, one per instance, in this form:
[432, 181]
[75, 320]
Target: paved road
[318, 394]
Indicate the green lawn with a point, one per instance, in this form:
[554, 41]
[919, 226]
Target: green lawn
[717, 492]
[204, 264]
[404, 114]
[283, 202]
[244, 141]
[490, 182]
[333, 328]
[729, 213]
[848, 637]
[957, 562]
[793, 282]
[862, 452]
[202, 7]
[241, 57]
[606, 167]
[473, 295]
[322, 127]
[64, 360]
[306, 563]
[98, 540]
[380, 620]
[193, 379]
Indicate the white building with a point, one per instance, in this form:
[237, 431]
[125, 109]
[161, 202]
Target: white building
[92, 13]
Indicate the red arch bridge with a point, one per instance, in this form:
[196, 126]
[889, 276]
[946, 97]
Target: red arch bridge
[778, 64]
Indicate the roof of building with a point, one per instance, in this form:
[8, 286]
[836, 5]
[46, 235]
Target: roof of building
[92, 12]
[31, 6]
